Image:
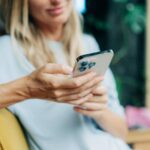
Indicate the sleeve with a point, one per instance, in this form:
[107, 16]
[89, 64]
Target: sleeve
[113, 102]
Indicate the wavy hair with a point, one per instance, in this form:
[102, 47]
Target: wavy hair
[17, 23]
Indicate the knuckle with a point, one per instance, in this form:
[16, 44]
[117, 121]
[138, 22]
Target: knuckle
[54, 84]
[79, 95]
[80, 101]
[47, 66]
[60, 66]
[76, 83]
[39, 79]
[82, 88]
[56, 94]
[53, 94]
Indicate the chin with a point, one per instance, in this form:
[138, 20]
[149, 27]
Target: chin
[58, 20]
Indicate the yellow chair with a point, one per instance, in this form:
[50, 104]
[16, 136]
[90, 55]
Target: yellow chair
[11, 135]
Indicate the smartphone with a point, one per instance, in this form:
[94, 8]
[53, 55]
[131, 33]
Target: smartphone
[97, 62]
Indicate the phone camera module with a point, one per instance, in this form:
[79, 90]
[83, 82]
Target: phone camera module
[81, 69]
[91, 64]
[84, 63]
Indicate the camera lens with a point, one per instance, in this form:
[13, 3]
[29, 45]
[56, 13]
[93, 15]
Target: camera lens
[94, 63]
[81, 69]
[84, 63]
[91, 64]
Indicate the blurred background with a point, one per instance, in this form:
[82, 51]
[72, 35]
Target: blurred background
[124, 26]
[120, 25]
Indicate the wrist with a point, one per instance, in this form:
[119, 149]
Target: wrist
[16, 90]
[22, 88]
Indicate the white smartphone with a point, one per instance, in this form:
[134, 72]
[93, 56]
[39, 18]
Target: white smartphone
[97, 62]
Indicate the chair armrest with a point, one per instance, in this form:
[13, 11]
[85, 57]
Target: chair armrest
[11, 135]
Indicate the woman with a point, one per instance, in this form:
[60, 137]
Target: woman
[42, 31]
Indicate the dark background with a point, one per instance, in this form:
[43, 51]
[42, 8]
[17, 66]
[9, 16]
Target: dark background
[120, 25]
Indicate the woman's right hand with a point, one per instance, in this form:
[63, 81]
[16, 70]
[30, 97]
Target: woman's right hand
[55, 82]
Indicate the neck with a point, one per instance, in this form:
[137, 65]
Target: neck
[53, 32]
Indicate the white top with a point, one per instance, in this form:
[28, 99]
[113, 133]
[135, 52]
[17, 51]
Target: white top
[55, 126]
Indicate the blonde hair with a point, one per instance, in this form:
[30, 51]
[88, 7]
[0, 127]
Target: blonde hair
[15, 16]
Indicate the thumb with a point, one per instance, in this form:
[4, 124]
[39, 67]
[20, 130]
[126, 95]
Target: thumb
[57, 69]
[100, 90]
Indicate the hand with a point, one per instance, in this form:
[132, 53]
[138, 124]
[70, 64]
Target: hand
[95, 106]
[55, 82]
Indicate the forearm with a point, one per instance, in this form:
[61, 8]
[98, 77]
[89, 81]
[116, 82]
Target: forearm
[112, 123]
[13, 92]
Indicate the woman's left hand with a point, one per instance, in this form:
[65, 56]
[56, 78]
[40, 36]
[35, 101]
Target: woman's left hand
[95, 106]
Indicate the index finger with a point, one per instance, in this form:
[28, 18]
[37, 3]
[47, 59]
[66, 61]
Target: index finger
[70, 82]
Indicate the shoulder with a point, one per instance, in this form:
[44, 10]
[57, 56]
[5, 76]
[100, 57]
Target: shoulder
[90, 44]
[5, 43]
[5, 40]
[88, 38]
[5, 48]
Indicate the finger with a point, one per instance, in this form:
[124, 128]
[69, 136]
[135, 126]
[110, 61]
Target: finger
[81, 80]
[101, 90]
[99, 99]
[91, 83]
[53, 68]
[70, 83]
[80, 101]
[86, 112]
[92, 106]
[75, 96]
[65, 92]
